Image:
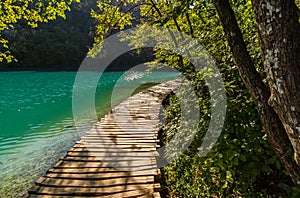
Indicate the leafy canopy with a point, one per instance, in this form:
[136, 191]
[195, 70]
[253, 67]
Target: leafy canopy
[243, 162]
[31, 12]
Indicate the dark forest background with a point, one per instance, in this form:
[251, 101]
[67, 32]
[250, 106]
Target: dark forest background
[61, 44]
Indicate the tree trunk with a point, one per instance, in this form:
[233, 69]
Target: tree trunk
[279, 33]
[272, 123]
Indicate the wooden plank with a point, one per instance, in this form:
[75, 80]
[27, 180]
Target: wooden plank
[127, 194]
[125, 129]
[108, 158]
[81, 144]
[122, 136]
[121, 161]
[102, 142]
[91, 182]
[111, 154]
[114, 120]
[129, 120]
[124, 126]
[84, 164]
[100, 176]
[118, 140]
[105, 172]
[94, 190]
[124, 132]
[119, 150]
[121, 128]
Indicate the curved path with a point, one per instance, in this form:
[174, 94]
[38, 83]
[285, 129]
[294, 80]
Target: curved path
[116, 158]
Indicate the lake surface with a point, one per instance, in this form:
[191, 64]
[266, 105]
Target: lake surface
[36, 120]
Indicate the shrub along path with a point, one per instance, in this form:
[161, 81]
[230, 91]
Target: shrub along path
[116, 158]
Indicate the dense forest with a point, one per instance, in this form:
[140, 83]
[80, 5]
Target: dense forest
[61, 44]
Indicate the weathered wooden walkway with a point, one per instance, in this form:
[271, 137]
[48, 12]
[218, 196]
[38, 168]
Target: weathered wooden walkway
[116, 158]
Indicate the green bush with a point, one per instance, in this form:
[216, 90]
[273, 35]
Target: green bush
[242, 163]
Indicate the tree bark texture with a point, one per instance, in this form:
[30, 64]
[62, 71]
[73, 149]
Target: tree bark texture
[273, 122]
[279, 33]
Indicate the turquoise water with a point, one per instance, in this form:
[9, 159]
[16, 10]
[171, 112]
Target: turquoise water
[36, 120]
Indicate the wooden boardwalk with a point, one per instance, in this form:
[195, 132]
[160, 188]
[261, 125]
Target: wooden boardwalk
[116, 158]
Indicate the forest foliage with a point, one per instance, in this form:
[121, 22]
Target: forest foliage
[29, 12]
[243, 162]
[45, 34]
